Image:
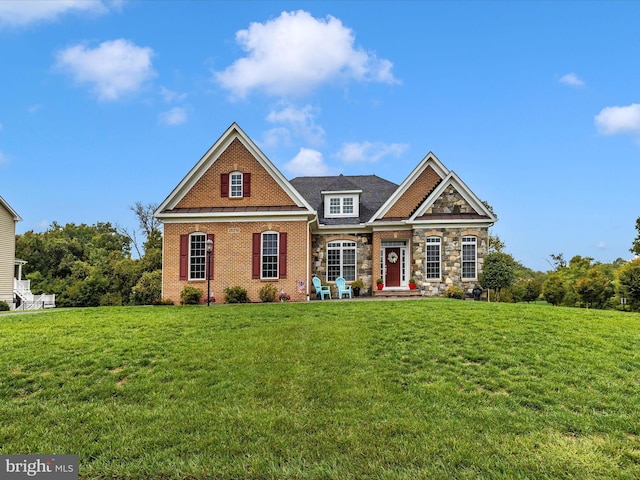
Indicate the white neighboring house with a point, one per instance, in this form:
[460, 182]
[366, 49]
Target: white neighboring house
[13, 290]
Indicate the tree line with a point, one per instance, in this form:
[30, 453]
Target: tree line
[580, 282]
[92, 265]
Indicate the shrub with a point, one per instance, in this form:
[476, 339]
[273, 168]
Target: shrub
[268, 293]
[111, 299]
[235, 295]
[164, 301]
[4, 306]
[190, 295]
[553, 289]
[526, 290]
[454, 292]
[148, 290]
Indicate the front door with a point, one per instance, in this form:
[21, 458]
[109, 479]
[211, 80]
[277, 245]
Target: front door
[392, 265]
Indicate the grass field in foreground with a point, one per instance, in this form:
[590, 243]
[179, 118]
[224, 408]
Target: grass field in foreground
[336, 390]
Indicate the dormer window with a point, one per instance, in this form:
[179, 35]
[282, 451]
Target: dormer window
[341, 204]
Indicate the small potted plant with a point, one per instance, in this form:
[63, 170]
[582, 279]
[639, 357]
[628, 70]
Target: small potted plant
[412, 283]
[356, 286]
[284, 296]
[380, 283]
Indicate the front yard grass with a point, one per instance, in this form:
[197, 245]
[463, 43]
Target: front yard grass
[338, 390]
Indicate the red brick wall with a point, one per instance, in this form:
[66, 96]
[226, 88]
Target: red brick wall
[415, 194]
[232, 258]
[265, 191]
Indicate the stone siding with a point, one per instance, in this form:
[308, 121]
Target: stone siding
[450, 258]
[364, 251]
[450, 202]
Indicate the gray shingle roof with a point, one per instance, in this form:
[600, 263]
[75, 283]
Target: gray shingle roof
[375, 191]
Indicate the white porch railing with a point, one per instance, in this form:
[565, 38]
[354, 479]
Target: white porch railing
[29, 301]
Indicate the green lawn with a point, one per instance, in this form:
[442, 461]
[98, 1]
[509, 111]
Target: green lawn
[336, 390]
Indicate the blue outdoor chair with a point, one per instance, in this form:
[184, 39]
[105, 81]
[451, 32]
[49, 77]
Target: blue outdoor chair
[321, 290]
[343, 288]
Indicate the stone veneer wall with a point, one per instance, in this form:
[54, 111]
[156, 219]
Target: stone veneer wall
[450, 202]
[364, 251]
[450, 258]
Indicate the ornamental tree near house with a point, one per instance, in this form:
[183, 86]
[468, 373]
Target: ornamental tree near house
[498, 272]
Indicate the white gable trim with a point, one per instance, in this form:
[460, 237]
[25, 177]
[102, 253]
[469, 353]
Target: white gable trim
[453, 180]
[12, 212]
[429, 160]
[199, 169]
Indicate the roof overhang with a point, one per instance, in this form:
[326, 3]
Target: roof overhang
[12, 212]
[232, 133]
[232, 217]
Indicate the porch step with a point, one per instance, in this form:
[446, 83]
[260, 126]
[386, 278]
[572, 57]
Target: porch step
[396, 293]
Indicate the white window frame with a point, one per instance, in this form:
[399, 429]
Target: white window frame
[403, 245]
[433, 241]
[197, 256]
[273, 274]
[236, 186]
[468, 241]
[347, 203]
[340, 247]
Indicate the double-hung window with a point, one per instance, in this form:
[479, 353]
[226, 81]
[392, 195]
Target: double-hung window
[197, 256]
[469, 258]
[269, 255]
[235, 178]
[433, 258]
[341, 260]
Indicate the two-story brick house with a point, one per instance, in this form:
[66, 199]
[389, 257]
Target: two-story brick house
[264, 228]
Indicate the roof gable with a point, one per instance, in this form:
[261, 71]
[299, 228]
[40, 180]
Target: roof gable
[197, 175]
[12, 212]
[418, 184]
[462, 201]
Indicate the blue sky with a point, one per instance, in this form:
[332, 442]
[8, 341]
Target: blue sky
[535, 105]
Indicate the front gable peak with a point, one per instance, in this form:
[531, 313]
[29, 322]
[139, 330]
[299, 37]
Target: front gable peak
[225, 172]
[414, 189]
[452, 199]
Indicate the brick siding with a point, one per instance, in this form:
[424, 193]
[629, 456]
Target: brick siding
[232, 258]
[415, 194]
[265, 191]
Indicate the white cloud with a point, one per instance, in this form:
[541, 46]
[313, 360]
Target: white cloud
[170, 96]
[3, 158]
[572, 80]
[602, 245]
[308, 163]
[23, 12]
[295, 52]
[115, 67]
[175, 116]
[619, 120]
[354, 152]
[299, 122]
